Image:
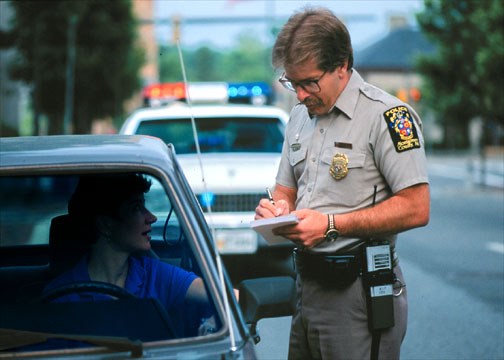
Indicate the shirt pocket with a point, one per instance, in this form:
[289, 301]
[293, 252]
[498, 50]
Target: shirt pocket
[351, 190]
[297, 161]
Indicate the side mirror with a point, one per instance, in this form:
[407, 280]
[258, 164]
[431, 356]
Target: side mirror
[266, 298]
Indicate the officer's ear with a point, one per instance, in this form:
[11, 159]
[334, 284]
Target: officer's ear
[342, 70]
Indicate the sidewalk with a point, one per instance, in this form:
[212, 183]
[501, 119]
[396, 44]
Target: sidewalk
[470, 167]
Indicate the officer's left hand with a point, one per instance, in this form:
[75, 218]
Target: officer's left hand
[308, 232]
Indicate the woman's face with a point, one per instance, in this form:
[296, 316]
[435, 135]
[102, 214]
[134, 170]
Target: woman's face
[130, 230]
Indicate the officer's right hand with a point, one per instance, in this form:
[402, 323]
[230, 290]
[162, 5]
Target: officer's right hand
[266, 209]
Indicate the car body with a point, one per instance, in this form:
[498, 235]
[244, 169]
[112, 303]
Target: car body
[37, 177]
[239, 153]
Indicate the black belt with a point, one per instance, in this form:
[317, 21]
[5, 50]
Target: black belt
[338, 269]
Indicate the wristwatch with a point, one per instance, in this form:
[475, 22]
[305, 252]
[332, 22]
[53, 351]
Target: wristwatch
[331, 234]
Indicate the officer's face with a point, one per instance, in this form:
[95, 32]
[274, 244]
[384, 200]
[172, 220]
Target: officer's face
[331, 84]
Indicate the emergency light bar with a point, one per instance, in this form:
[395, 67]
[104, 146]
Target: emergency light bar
[256, 93]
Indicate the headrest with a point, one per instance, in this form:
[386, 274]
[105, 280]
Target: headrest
[67, 243]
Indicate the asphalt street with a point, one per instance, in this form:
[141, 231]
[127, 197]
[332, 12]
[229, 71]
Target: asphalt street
[454, 268]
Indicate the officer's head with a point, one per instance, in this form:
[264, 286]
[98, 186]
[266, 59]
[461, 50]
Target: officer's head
[315, 50]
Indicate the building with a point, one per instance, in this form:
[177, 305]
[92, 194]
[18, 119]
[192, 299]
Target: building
[389, 63]
[11, 92]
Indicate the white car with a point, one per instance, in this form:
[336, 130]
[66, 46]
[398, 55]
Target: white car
[240, 148]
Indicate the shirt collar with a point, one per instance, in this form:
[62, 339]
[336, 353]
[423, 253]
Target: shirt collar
[347, 101]
[136, 276]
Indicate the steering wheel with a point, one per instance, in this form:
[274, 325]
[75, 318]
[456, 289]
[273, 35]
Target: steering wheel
[96, 287]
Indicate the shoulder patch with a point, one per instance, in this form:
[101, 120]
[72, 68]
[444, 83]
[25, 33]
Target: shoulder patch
[401, 128]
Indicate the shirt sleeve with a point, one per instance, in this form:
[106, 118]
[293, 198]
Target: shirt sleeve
[399, 148]
[168, 283]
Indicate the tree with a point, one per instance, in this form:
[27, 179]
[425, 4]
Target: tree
[107, 59]
[250, 61]
[464, 80]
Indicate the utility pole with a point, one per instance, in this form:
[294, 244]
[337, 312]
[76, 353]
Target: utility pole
[70, 74]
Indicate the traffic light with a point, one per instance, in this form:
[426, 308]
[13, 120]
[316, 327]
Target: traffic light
[415, 94]
[402, 94]
[406, 95]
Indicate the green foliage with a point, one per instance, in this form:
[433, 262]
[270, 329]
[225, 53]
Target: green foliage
[107, 61]
[250, 61]
[465, 78]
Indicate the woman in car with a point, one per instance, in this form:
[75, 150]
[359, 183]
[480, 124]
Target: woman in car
[110, 210]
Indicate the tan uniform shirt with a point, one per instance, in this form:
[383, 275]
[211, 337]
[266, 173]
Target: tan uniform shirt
[380, 136]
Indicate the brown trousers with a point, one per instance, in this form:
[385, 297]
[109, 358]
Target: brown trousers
[331, 324]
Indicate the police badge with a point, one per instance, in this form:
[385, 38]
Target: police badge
[339, 166]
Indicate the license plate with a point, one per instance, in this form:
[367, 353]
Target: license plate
[236, 241]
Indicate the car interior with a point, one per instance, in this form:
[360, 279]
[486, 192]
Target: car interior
[218, 135]
[38, 241]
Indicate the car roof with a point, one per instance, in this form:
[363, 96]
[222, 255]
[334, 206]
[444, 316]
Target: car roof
[29, 151]
[182, 110]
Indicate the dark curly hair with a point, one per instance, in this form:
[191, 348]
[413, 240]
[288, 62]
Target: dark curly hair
[102, 194]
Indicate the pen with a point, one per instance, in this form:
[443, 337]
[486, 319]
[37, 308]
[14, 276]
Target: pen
[270, 196]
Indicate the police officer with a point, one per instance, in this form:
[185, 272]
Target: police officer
[353, 167]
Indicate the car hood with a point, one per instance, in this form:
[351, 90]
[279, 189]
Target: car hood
[231, 173]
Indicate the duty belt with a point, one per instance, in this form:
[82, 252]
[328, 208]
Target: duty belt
[338, 269]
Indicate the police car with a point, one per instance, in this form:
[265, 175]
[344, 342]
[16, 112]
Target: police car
[240, 147]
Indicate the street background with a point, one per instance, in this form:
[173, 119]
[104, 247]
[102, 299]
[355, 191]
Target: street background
[454, 268]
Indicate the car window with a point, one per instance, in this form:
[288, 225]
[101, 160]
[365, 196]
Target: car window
[228, 134]
[29, 203]
[39, 244]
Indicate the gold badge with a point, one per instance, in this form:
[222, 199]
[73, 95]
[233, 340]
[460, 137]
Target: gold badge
[339, 166]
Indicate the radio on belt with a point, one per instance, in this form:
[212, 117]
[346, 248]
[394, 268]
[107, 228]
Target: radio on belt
[378, 280]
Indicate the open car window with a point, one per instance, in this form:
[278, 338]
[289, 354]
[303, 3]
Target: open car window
[40, 242]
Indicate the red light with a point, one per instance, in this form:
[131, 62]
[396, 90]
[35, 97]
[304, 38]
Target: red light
[175, 91]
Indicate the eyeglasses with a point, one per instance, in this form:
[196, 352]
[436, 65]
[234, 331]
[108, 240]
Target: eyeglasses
[311, 86]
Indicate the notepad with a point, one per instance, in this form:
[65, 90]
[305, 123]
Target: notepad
[264, 227]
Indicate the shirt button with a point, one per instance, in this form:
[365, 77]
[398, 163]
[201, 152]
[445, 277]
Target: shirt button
[321, 131]
[313, 159]
[309, 189]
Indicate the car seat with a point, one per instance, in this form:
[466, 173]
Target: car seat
[67, 243]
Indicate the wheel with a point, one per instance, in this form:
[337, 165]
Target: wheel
[96, 287]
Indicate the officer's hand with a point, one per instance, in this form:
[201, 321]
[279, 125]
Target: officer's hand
[308, 232]
[266, 209]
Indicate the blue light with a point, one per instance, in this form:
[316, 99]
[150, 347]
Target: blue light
[256, 90]
[232, 91]
[242, 90]
[207, 199]
[248, 92]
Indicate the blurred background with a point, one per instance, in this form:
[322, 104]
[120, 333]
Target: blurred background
[77, 67]
[80, 66]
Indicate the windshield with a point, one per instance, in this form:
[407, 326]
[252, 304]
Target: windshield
[218, 135]
[60, 234]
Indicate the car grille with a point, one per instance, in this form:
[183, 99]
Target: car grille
[233, 202]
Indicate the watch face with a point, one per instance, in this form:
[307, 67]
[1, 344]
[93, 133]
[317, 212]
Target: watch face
[331, 235]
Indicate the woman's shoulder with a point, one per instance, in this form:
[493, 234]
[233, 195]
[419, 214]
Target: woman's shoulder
[150, 264]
